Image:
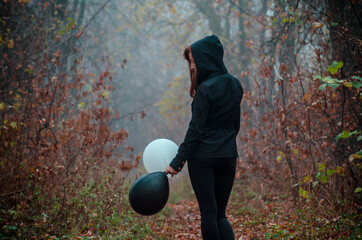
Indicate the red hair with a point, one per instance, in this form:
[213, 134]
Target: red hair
[193, 72]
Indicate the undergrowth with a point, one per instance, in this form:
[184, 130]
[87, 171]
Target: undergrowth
[98, 208]
[273, 215]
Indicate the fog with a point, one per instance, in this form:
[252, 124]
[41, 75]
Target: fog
[150, 36]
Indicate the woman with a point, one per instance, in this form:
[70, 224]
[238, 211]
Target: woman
[210, 141]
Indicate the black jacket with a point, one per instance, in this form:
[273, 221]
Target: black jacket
[215, 108]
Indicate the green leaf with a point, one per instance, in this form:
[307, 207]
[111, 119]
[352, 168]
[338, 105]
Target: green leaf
[357, 84]
[306, 194]
[300, 191]
[321, 87]
[105, 94]
[29, 71]
[71, 20]
[343, 134]
[321, 166]
[357, 77]
[315, 183]
[332, 82]
[333, 85]
[81, 105]
[358, 190]
[285, 20]
[318, 77]
[299, 21]
[13, 124]
[357, 155]
[318, 175]
[347, 134]
[334, 24]
[2, 42]
[307, 179]
[340, 64]
[12, 228]
[333, 70]
[279, 158]
[355, 132]
[359, 138]
[291, 13]
[347, 84]
[329, 79]
[330, 172]
[303, 193]
[324, 179]
[333, 64]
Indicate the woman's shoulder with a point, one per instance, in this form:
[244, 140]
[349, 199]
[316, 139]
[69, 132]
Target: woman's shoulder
[221, 80]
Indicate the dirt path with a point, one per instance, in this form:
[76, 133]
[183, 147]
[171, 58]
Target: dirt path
[185, 222]
[275, 219]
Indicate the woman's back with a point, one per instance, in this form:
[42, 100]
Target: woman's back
[210, 141]
[223, 95]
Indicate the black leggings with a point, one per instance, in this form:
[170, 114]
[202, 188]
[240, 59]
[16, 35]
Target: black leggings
[212, 180]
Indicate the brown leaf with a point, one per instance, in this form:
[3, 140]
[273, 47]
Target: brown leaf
[79, 34]
[57, 55]
[284, 68]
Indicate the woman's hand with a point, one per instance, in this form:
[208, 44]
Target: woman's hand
[170, 170]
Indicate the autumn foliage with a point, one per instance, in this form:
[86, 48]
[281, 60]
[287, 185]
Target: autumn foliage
[66, 166]
[306, 128]
[56, 126]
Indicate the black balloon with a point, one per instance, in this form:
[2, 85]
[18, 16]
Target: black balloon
[149, 194]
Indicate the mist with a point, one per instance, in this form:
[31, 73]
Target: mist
[86, 85]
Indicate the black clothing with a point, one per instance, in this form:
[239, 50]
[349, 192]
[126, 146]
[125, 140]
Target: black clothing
[212, 180]
[215, 109]
[210, 141]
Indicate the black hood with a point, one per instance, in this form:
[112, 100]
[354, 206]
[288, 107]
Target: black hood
[208, 54]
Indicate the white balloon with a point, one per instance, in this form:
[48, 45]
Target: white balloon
[158, 154]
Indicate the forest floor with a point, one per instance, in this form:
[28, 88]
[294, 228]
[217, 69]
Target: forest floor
[274, 220]
[253, 213]
[184, 223]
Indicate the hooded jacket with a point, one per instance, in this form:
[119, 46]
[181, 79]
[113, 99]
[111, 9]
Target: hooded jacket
[215, 108]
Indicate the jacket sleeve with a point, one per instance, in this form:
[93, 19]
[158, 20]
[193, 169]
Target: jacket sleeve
[237, 120]
[196, 126]
[239, 95]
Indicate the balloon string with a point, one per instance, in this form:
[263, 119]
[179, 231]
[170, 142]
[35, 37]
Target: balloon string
[165, 161]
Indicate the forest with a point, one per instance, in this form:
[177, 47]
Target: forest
[86, 85]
